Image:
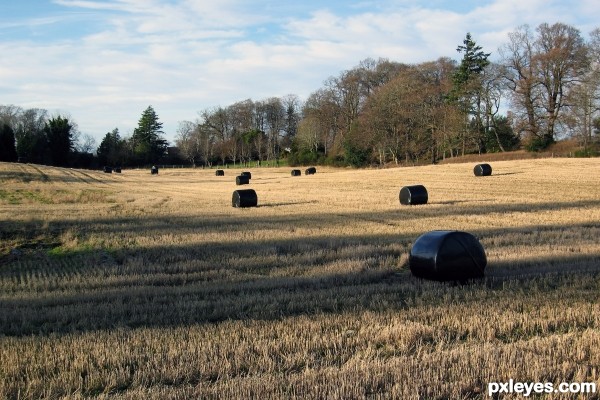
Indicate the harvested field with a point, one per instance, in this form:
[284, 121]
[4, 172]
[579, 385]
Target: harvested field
[132, 286]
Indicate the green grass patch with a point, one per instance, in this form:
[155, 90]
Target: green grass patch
[20, 196]
[9, 197]
[34, 196]
[63, 251]
[60, 196]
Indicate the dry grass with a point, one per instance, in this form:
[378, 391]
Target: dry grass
[138, 286]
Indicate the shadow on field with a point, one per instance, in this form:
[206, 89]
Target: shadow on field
[506, 173]
[64, 175]
[246, 219]
[453, 202]
[287, 203]
[263, 279]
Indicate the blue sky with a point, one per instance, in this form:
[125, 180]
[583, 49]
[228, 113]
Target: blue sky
[103, 62]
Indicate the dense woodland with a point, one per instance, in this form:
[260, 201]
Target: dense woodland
[544, 86]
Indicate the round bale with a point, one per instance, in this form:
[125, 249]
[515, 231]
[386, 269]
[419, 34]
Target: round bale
[413, 195]
[310, 171]
[244, 198]
[108, 170]
[242, 180]
[220, 172]
[117, 170]
[246, 173]
[482, 170]
[154, 170]
[296, 172]
[447, 256]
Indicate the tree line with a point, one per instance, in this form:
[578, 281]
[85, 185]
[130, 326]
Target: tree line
[31, 135]
[544, 86]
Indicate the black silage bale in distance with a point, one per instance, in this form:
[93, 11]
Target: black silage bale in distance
[247, 173]
[220, 172]
[117, 170]
[482, 170]
[447, 256]
[244, 198]
[242, 180]
[108, 170]
[413, 195]
[310, 171]
[154, 170]
[296, 172]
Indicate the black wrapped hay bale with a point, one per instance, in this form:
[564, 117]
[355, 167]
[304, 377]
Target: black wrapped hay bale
[482, 170]
[220, 172]
[154, 170]
[447, 256]
[413, 195]
[244, 198]
[242, 180]
[246, 173]
[310, 171]
[108, 170]
[296, 172]
[117, 170]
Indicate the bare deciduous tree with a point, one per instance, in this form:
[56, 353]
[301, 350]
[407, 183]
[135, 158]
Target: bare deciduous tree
[541, 71]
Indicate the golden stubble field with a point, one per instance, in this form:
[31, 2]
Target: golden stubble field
[131, 286]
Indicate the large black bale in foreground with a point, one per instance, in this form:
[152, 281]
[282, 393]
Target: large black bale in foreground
[447, 256]
[244, 198]
[482, 170]
[413, 195]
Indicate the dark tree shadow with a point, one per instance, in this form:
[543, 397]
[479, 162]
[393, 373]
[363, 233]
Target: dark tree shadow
[173, 285]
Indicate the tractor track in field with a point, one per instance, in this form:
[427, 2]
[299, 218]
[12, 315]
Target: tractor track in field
[45, 178]
[76, 176]
[93, 178]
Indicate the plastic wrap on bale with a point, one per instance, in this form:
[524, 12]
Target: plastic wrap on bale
[296, 172]
[413, 195]
[482, 170]
[219, 172]
[447, 256]
[242, 180]
[244, 198]
[310, 171]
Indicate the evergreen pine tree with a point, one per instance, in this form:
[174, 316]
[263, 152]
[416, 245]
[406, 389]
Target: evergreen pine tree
[59, 136]
[8, 150]
[147, 143]
[466, 90]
